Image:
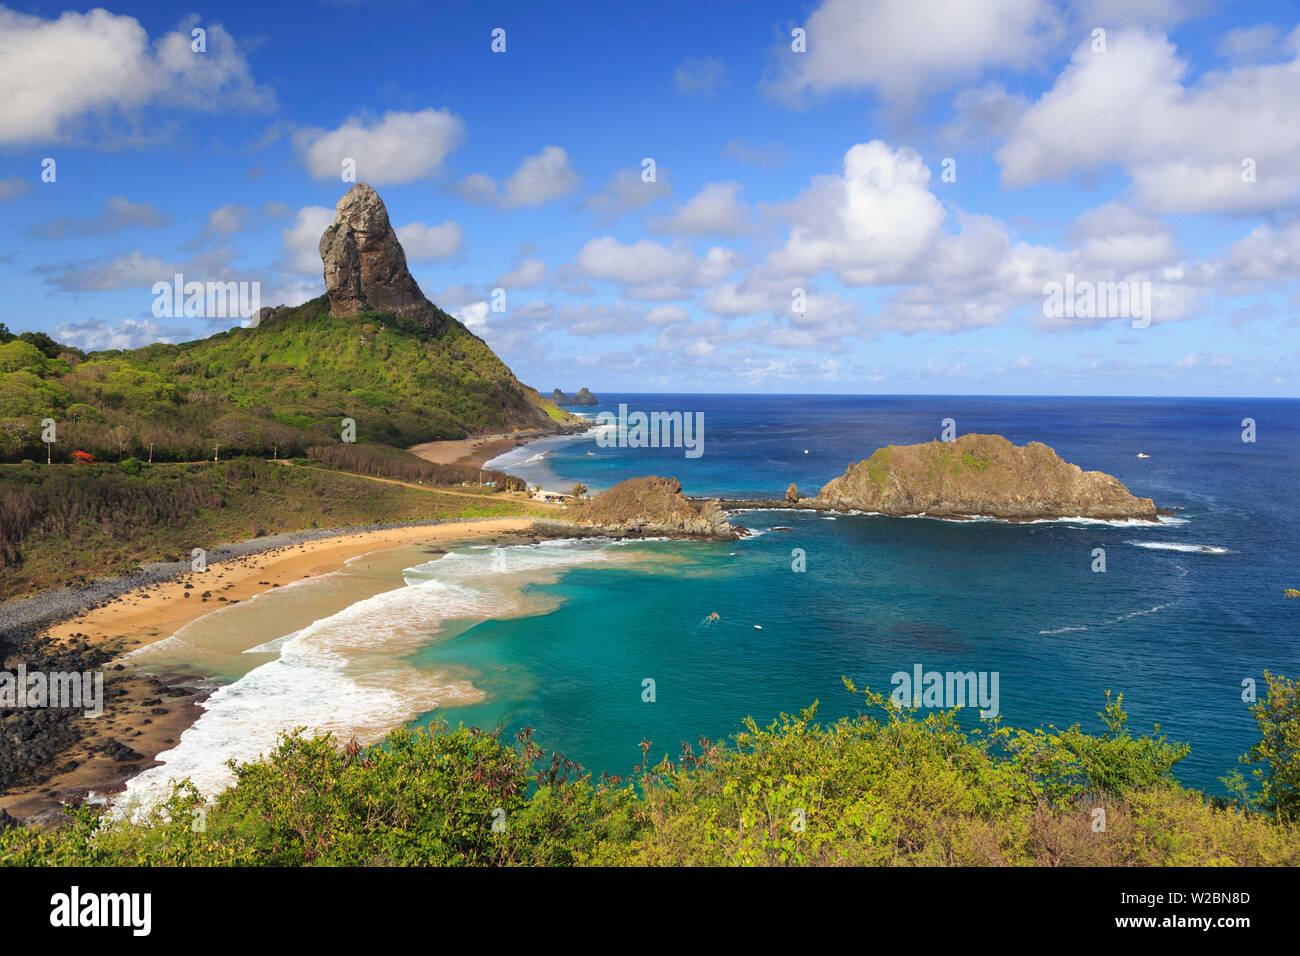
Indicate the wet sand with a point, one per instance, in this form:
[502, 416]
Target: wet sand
[150, 713]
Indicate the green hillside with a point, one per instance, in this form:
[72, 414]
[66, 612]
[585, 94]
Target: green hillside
[285, 385]
[122, 516]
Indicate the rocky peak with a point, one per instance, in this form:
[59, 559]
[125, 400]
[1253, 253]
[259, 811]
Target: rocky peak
[365, 267]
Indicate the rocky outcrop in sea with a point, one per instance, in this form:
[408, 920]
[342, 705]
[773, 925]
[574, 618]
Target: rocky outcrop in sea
[981, 475]
[581, 397]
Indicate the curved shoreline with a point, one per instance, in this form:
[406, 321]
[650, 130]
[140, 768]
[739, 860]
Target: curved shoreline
[34, 615]
[145, 714]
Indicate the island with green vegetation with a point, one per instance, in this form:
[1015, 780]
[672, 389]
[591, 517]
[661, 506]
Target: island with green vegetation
[978, 476]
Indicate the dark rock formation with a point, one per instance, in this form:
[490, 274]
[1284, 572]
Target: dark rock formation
[980, 475]
[652, 506]
[580, 397]
[365, 267]
[266, 312]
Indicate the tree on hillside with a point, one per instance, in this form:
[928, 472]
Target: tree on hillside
[1277, 716]
[121, 436]
[578, 491]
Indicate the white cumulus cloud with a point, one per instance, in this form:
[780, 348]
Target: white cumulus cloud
[399, 148]
[421, 241]
[57, 75]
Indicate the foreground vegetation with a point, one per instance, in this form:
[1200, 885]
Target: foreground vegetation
[65, 524]
[886, 788]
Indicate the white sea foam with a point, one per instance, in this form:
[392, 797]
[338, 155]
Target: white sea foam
[1115, 620]
[179, 643]
[1078, 519]
[1188, 548]
[350, 673]
[532, 454]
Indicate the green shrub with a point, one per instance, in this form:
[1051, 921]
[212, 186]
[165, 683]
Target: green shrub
[886, 788]
[1278, 718]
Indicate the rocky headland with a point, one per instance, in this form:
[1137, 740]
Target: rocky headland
[648, 507]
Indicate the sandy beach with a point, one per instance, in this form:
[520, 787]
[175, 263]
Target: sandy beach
[149, 713]
[471, 452]
[156, 611]
[475, 452]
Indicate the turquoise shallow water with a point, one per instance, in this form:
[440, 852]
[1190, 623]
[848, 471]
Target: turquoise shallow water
[1174, 628]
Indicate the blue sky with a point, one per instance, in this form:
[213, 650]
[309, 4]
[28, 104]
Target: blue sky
[1119, 161]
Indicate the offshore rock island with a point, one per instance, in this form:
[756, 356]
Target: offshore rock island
[581, 397]
[974, 476]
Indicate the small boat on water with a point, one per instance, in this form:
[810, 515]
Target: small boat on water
[1143, 454]
[714, 616]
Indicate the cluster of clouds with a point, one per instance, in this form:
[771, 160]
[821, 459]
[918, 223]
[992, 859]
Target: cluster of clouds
[59, 77]
[870, 248]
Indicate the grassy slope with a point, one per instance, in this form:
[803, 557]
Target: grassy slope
[307, 365]
[66, 524]
[289, 382]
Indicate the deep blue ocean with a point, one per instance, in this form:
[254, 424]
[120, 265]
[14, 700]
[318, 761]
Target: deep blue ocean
[1174, 628]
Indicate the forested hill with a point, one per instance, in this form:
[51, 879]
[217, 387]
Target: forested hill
[284, 385]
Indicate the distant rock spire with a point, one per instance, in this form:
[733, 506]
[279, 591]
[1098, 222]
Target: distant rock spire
[365, 267]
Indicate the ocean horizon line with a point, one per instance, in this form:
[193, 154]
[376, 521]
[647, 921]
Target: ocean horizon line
[1062, 397]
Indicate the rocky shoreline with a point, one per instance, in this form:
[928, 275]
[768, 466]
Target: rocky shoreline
[652, 507]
